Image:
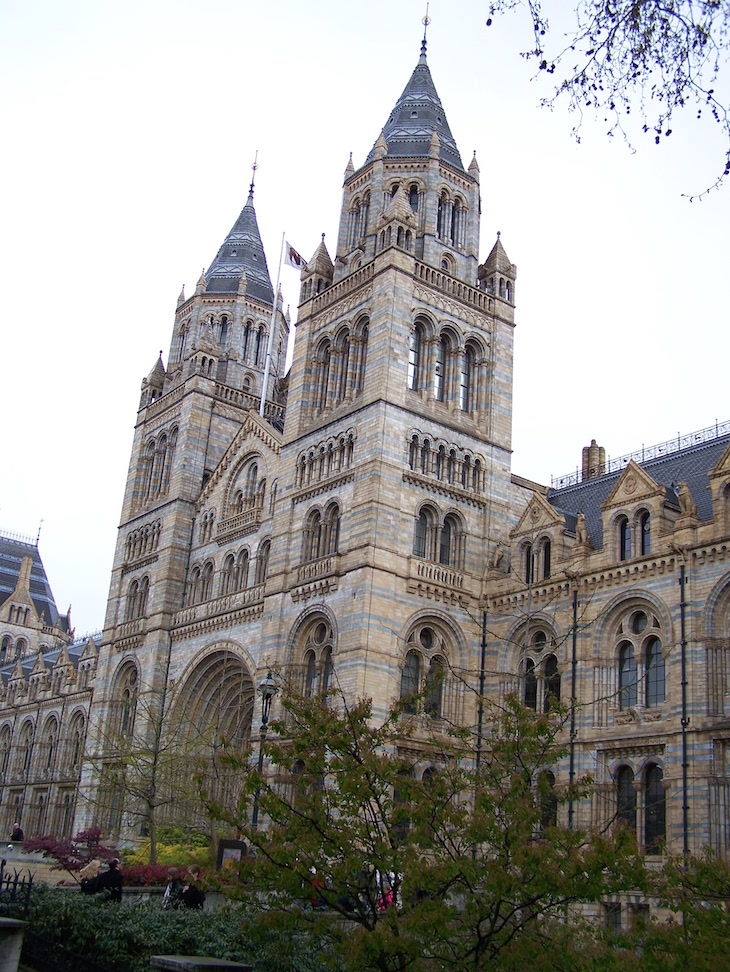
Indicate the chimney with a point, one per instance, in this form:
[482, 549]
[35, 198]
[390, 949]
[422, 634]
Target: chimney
[594, 461]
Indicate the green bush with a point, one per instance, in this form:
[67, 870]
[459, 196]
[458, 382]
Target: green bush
[179, 855]
[121, 938]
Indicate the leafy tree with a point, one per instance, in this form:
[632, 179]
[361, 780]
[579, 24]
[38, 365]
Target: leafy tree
[651, 57]
[477, 868]
[71, 854]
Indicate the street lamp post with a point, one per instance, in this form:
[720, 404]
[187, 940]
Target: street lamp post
[267, 690]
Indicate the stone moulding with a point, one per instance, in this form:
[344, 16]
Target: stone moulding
[131, 565]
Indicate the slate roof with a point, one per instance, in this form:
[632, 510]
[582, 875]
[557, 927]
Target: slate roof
[11, 556]
[242, 250]
[417, 113]
[75, 650]
[691, 465]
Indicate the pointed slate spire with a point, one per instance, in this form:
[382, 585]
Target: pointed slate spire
[498, 259]
[350, 168]
[181, 298]
[242, 251]
[417, 113]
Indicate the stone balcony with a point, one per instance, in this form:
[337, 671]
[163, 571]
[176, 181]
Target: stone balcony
[219, 605]
[438, 582]
[239, 525]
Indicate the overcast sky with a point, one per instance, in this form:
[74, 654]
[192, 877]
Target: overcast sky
[128, 132]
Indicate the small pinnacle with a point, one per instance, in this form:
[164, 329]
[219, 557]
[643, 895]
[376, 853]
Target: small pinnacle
[498, 234]
[425, 21]
[323, 237]
[253, 172]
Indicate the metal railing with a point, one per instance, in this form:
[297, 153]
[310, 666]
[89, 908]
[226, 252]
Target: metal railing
[646, 453]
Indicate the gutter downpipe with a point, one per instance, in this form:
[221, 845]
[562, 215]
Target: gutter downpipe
[685, 720]
[481, 690]
[572, 705]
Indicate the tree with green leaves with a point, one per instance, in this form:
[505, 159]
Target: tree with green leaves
[620, 58]
[390, 842]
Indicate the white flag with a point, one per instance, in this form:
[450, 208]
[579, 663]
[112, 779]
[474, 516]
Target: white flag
[294, 259]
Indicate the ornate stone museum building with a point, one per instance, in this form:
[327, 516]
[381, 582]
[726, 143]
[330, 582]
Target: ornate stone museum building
[367, 528]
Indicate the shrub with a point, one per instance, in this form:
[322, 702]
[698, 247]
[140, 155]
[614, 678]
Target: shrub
[67, 925]
[179, 855]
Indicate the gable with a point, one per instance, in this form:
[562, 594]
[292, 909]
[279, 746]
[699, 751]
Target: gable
[538, 515]
[633, 484]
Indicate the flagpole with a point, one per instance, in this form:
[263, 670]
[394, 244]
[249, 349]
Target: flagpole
[267, 366]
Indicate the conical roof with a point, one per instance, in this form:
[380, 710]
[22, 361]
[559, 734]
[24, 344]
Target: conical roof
[242, 250]
[417, 113]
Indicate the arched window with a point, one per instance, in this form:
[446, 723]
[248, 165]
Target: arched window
[435, 687]
[362, 360]
[262, 562]
[626, 798]
[426, 457]
[50, 739]
[624, 539]
[331, 532]
[528, 563]
[6, 652]
[546, 559]
[415, 380]
[450, 545]
[76, 737]
[552, 682]
[194, 586]
[246, 340]
[654, 672]
[440, 391]
[627, 676]
[126, 695]
[423, 544]
[310, 677]
[252, 477]
[409, 682]
[324, 360]
[241, 577]
[645, 534]
[413, 197]
[548, 800]
[413, 452]
[530, 696]
[312, 536]
[4, 750]
[206, 582]
[227, 574]
[466, 393]
[131, 601]
[142, 593]
[260, 344]
[654, 811]
[25, 748]
[328, 669]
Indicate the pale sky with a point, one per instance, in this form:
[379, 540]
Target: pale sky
[128, 132]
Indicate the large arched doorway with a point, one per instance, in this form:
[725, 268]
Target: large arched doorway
[211, 717]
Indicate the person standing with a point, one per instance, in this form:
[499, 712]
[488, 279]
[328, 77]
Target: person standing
[17, 834]
[172, 897]
[192, 894]
[112, 881]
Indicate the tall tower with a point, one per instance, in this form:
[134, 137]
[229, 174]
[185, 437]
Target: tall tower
[398, 430]
[189, 414]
